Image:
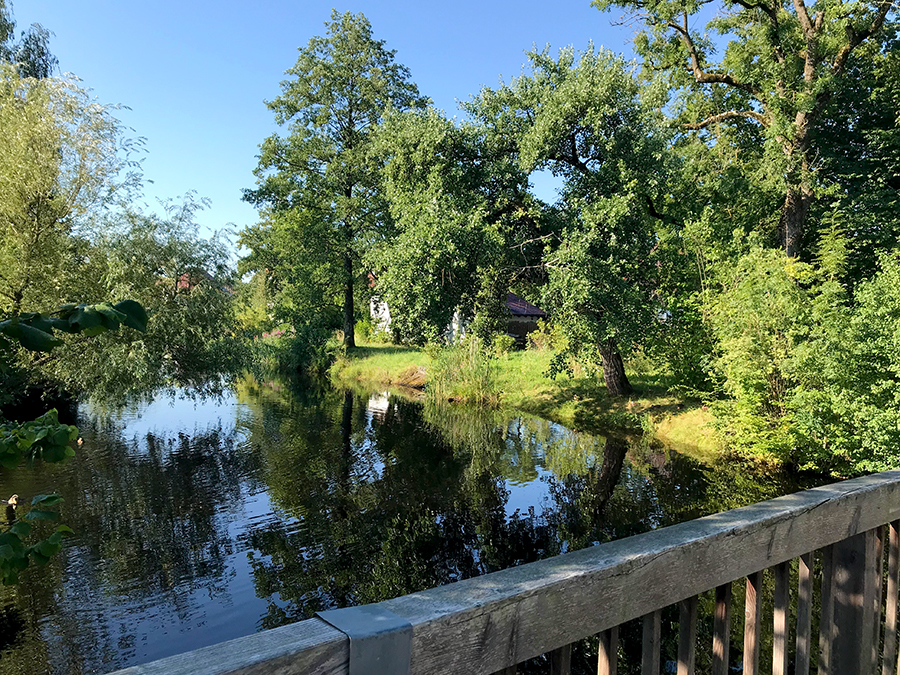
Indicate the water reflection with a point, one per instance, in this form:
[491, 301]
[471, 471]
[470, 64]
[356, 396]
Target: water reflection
[197, 524]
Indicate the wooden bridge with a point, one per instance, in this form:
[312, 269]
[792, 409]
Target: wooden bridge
[491, 623]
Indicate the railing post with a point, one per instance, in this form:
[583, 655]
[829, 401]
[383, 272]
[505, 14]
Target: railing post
[851, 622]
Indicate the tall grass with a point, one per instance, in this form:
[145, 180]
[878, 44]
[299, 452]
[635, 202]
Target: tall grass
[464, 372]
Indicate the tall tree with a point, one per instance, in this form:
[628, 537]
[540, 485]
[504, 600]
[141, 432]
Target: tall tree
[319, 179]
[782, 65]
[582, 116]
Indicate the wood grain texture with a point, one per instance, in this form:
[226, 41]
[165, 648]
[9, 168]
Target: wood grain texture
[722, 630]
[889, 662]
[853, 618]
[310, 646]
[561, 661]
[608, 652]
[651, 642]
[780, 617]
[752, 623]
[804, 614]
[687, 636]
[827, 612]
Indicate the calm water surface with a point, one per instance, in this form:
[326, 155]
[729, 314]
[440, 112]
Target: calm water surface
[198, 522]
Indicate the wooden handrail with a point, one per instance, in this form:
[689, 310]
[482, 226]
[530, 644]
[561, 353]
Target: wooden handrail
[487, 624]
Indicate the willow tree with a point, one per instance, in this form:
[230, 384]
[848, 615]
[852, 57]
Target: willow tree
[319, 177]
[585, 118]
[781, 66]
[60, 158]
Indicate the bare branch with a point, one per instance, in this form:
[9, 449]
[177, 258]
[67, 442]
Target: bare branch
[729, 115]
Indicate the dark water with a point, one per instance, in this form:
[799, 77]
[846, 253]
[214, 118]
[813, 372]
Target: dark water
[200, 522]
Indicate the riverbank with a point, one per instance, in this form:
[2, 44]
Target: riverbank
[576, 401]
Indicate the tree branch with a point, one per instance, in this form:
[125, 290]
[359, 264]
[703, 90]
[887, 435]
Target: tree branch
[700, 75]
[856, 38]
[730, 114]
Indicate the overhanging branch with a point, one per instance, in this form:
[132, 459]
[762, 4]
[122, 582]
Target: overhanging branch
[731, 114]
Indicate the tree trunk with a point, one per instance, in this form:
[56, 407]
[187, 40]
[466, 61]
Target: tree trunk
[617, 383]
[349, 319]
[793, 218]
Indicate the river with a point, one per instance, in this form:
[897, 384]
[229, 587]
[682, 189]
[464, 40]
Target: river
[197, 521]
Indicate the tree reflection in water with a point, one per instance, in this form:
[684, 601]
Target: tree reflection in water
[315, 498]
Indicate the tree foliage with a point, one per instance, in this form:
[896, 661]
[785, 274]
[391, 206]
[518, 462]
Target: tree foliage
[782, 65]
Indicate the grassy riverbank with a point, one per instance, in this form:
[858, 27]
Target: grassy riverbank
[576, 401]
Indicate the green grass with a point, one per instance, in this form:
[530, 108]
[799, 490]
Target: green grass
[577, 401]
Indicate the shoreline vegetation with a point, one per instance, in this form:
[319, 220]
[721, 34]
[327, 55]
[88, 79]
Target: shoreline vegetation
[518, 381]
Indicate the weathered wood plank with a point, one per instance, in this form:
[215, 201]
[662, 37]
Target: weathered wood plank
[804, 615]
[876, 598]
[561, 661]
[853, 618]
[752, 623]
[889, 662]
[608, 653]
[687, 636]
[473, 626]
[651, 643]
[780, 617]
[826, 629]
[310, 646]
[722, 630]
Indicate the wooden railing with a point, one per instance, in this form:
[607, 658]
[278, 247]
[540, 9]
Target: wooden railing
[489, 624]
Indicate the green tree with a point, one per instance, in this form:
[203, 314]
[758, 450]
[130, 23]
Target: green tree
[584, 117]
[782, 65]
[60, 158]
[319, 180]
[464, 227]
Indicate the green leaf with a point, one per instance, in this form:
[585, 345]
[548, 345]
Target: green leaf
[46, 500]
[135, 316]
[20, 529]
[85, 318]
[38, 514]
[29, 337]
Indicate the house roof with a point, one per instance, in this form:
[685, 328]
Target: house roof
[519, 307]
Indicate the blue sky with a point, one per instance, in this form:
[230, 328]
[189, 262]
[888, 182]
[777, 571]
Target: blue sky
[195, 75]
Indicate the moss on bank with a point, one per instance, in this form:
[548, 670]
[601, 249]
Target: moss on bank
[577, 401]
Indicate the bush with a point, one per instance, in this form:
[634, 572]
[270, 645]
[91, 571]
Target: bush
[464, 372]
[503, 344]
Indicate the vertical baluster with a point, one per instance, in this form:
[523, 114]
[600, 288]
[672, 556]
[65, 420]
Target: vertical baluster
[752, 619]
[651, 643]
[511, 670]
[852, 597]
[780, 618]
[687, 636]
[608, 656]
[804, 614]
[722, 630]
[877, 595]
[561, 661]
[889, 664]
[826, 618]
